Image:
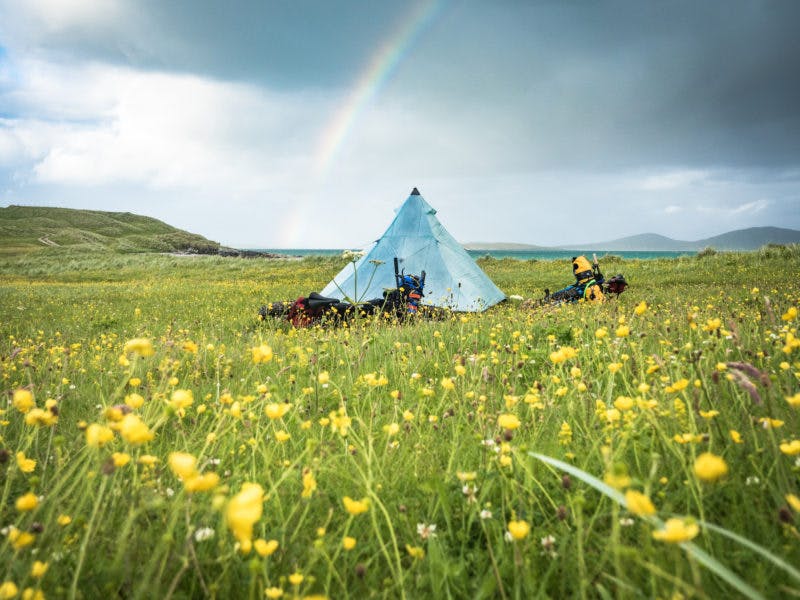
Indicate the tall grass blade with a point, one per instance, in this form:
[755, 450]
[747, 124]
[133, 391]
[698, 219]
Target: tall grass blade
[694, 551]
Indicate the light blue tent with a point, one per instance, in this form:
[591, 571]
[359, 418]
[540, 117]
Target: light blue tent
[420, 243]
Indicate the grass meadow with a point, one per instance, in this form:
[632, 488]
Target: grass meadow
[158, 441]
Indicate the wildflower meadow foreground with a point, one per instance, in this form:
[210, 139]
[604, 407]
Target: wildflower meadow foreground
[158, 441]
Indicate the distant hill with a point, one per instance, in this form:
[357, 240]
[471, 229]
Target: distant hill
[501, 246]
[25, 228]
[742, 239]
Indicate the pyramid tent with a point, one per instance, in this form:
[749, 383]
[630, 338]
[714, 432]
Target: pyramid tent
[420, 243]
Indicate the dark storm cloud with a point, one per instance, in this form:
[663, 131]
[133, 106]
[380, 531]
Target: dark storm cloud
[538, 84]
[626, 84]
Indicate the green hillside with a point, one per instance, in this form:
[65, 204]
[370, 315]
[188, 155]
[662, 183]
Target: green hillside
[28, 228]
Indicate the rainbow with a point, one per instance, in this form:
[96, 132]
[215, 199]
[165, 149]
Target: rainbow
[378, 72]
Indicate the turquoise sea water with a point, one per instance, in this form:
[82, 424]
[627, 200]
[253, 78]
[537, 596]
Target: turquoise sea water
[516, 254]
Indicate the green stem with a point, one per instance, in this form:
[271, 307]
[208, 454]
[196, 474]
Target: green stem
[73, 590]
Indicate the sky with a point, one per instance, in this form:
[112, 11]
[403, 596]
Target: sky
[306, 124]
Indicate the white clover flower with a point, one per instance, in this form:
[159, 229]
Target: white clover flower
[426, 531]
[485, 514]
[203, 533]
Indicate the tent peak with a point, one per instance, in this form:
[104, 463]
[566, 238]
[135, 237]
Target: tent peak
[415, 192]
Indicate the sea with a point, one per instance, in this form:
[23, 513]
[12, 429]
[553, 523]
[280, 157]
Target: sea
[515, 254]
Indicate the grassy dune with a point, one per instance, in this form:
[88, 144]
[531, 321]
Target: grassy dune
[35, 228]
[159, 441]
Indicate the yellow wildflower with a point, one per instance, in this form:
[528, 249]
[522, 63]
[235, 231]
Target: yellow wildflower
[794, 401]
[201, 482]
[98, 435]
[791, 448]
[623, 403]
[275, 410]
[296, 578]
[508, 421]
[25, 464]
[23, 400]
[348, 543]
[677, 531]
[27, 502]
[710, 467]
[40, 418]
[182, 464]
[181, 399]
[134, 400]
[134, 431]
[640, 308]
[8, 589]
[355, 507]
[120, 459]
[518, 529]
[639, 503]
[273, 593]
[243, 511]
[309, 484]
[264, 547]
[261, 354]
[38, 569]
[415, 552]
[140, 346]
[679, 385]
[793, 501]
[617, 479]
[20, 539]
[562, 354]
[623, 331]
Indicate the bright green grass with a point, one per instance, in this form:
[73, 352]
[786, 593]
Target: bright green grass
[64, 320]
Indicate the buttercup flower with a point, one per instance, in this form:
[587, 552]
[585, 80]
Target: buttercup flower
[508, 421]
[518, 529]
[140, 346]
[710, 467]
[639, 504]
[27, 502]
[243, 511]
[23, 401]
[355, 507]
[309, 484]
[134, 431]
[264, 547]
[25, 464]
[676, 531]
